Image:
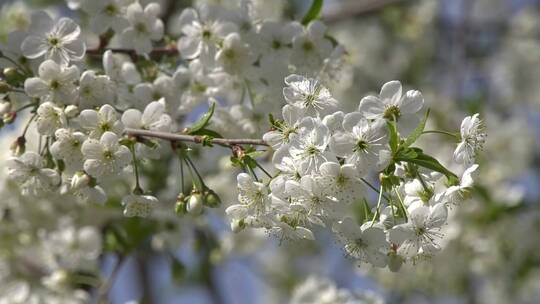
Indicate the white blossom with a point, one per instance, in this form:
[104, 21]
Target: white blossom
[308, 94]
[55, 83]
[366, 243]
[201, 35]
[49, 118]
[95, 90]
[362, 143]
[144, 27]
[472, 140]
[392, 105]
[422, 232]
[96, 123]
[139, 205]
[60, 41]
[29, 172]
[67, 147]
[105, 157]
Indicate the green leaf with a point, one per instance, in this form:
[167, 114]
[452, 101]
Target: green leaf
[256, 153]
[313, 12]
[203, 121]
[394, 138]
[250, 162]
[417, 132]
[207, 132]
[426, 161]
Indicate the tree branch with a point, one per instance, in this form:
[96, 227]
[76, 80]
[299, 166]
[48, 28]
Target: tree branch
[170, 51]
[226, 142]
[354, 8]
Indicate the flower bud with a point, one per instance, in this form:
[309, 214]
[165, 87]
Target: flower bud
[211, 199]
[71, 111]
[4, 87]
[13, 76]
[79, 180]
[237, 225]
[195, 204]
[5, 107]
[18, 147]
[181, 204]
[394, 262]
[9, 117]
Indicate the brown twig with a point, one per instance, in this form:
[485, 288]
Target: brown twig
[352, 8]
[169, 51]
[226, 142]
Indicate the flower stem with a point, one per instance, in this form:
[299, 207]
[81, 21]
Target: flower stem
[378, 211]
[225, 142]
[373, 188]
[137, 190]
[455, 135]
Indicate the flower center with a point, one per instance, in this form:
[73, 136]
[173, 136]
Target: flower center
[206, 34]
[229, 54]
[392, 113]
[312, 150]
[105, 127]
[140, 27]
[361, 146]
[110, 10]
[107, 154]
[55, 84]
[54, 41]
[308, 46]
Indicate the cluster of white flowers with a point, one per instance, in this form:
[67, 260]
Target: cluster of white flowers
[320, 290]
[324, 156]
[81, 114]
[235, 64]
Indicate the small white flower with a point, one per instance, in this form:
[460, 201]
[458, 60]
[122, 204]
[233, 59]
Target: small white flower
[201, 35]
[49, 118]
[60, 41]
[472, 140]
[310, 145]
[84, 191]
[106, 156]
[308, 94]
[362, 143]
[311, 47]
[390, 105]
[105, 14]
[97, 123]
[341, 182]
[144, 27]
[288, 232]
[27, 170]
[139, 205]
[153, 118]
[365, 243]
[311, 199]
[95, 90]
[55, 83]
[422, 232]
[287, 127]
[276, 38]
[235, 56]
[253, 198]
[67, 147]
[456, 194]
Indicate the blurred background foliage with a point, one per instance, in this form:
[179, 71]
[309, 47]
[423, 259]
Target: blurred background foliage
[466, 56]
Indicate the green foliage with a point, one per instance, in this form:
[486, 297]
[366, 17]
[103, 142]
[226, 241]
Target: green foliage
[313, 12]
[202, 122]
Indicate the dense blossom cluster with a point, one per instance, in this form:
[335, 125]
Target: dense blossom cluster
[325, 161]
[323, 157]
